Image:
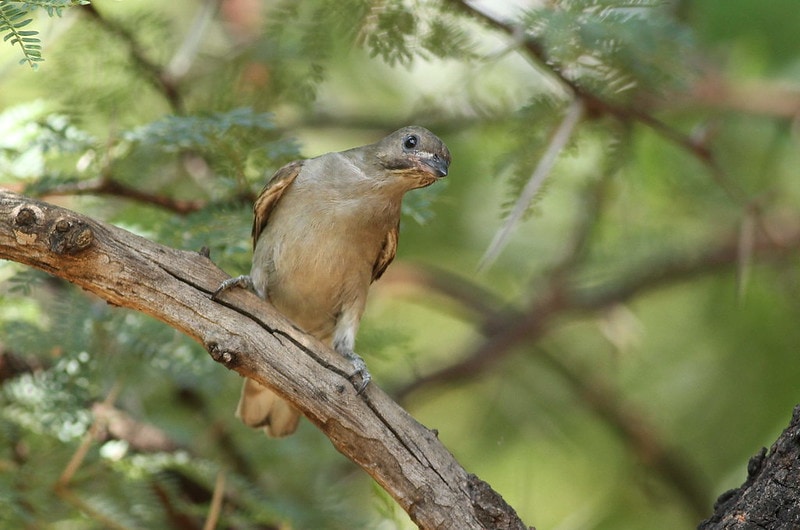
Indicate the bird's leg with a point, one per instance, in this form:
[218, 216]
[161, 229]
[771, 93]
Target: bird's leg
[244, 281]
[344, 339]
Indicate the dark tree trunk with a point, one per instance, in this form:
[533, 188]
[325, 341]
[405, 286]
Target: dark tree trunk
[770, 497]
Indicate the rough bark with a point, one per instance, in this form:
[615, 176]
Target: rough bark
[247, 335]
[770, 497]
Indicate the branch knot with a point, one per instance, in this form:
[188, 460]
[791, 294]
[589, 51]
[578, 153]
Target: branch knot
[70, 236]
[220, 353]
[26, 216]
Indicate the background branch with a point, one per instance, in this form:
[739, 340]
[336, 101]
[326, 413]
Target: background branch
[598, 106]
[163, 83]
[561, 296]
[106, 186]
[599, 397]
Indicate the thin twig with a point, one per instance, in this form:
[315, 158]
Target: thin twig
[88, 438]
[62, 485]
[588, 213]
[186, 53]
[216, 502]
[557, 144]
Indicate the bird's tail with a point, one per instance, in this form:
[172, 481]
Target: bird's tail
[261, 407]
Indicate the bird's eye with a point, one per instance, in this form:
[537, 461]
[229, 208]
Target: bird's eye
[411, 141]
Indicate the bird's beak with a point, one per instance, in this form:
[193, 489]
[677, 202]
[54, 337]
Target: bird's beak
[434, 165]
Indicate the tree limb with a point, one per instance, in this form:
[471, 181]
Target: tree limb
[249, 336]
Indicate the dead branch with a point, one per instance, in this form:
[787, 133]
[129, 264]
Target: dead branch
[247, 335]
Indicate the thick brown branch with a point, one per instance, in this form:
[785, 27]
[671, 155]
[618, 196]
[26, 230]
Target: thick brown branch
[249, 336]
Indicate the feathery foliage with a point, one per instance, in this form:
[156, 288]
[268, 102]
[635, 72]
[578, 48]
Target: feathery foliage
[15, 15]
[613, 48]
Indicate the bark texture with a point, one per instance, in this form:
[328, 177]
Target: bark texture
[247, 335]
[770, 497]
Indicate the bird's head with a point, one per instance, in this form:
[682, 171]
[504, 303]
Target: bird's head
[414, 153]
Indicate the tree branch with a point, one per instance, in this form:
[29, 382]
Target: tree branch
[247, 335]
[506, 328]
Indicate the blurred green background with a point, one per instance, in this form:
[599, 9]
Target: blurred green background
[626, 353]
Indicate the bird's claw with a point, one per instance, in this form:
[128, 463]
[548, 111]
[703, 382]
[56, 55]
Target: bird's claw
[244, 281]
[360, 372]
[365, 379]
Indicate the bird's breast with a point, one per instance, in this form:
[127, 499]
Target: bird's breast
[314, 260]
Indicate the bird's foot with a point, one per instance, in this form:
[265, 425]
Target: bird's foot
[360, 372]
[244, 281]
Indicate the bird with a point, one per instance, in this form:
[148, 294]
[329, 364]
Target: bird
[324, 229]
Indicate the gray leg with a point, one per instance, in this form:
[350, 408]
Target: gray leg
[344, 339]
